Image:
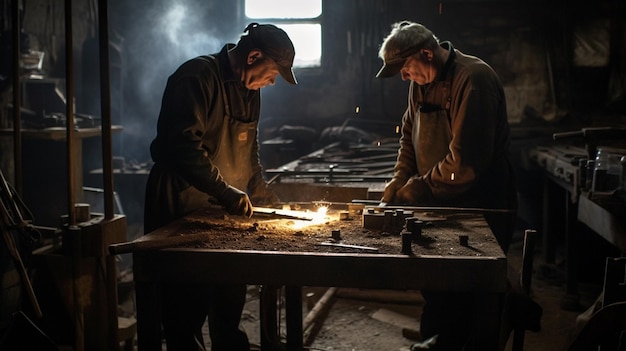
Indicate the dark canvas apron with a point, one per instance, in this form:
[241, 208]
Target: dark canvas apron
[432, 127]
[232, 157]
[234, 149]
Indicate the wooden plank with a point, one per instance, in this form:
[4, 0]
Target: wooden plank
[438, 273]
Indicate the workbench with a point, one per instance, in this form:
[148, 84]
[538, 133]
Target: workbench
[567, 204]
[212, 247]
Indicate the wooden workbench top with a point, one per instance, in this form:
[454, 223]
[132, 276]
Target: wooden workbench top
[215, 230]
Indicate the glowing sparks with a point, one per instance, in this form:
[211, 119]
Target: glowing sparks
[318, 217]
[321, 213]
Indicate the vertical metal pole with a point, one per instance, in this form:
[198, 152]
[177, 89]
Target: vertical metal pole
[268, 315]
[105, 105]
[293, 297]
[107, 162]
[79, 322]
[17, 103]
[69, 111]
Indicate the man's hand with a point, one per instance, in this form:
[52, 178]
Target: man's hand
[236, 202]
[391, 189]
[264, 196]
[414, 192]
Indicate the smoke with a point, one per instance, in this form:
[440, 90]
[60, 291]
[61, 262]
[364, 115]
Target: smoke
[158, 39]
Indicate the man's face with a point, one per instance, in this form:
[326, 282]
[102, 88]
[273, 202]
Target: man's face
[419, 69]
[260, 71]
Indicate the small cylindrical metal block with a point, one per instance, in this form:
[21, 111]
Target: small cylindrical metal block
[82, 211]
[344, 215]
[414, 225]
[407, 239]
[398, 220]
[463, 240]
[336, 234]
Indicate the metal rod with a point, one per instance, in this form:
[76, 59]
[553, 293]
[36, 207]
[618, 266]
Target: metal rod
[317, 314]
[17, 125]
[79, 321]
[283, 213]
[105, 106]
[107, 160]
[347, 246]
[377, 205]
[7, 224]
[15, 254]
[69, 111]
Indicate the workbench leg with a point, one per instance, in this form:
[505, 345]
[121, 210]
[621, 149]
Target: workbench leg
[293, 307]
[148, 317]
[571, 300]
[549, 228]
[487, 321]
[270, 335]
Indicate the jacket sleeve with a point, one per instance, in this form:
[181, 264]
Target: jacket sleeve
[187, 113]
[257, 182]
[474, 115]
[406, 163]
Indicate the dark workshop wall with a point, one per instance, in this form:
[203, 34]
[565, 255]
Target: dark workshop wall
[561, 62]
[530, 45]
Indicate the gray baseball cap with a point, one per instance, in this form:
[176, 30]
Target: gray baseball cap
[393, 64]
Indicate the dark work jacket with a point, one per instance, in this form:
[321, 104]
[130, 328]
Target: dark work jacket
[455, 136]
[206, 139]
[455, 140]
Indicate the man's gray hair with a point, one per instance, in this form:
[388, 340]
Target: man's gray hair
[407, 35]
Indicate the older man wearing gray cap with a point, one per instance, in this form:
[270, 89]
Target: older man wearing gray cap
[454, 151]
[206, 151]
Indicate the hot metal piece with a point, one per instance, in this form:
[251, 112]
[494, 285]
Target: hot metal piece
[291, 214]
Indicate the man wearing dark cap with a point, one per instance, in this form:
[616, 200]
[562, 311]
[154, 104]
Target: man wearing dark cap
[454, 151]
[206, 151]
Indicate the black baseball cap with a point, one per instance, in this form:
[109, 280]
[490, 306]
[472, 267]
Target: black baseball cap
[275, 43]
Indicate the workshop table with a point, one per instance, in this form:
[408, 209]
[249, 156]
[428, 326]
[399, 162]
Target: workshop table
[209, 247]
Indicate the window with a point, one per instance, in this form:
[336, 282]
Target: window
[301, 19]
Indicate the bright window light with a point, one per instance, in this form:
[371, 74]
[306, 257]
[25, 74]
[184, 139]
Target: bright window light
[283, 8]
[300, 19]
[307, 40]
